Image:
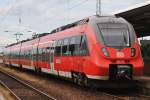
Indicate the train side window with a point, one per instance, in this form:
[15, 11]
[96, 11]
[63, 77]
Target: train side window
[41, 51]
[34, 54]
[43, 55]
[58, 48]
[28, 54]
[72, 46]
[65, 47]
[39, 54]
[20, 54]
[77, 45]
[84, 47]
[47, 50]
[23, 54]
[47, 53]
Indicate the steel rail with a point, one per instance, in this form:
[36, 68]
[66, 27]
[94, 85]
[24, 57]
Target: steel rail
[27, 86]
[118, 97]
[7, 88]
[113, 96]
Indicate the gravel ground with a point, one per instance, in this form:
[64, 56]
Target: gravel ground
[5, 94]
[146, 67]
[57, 87]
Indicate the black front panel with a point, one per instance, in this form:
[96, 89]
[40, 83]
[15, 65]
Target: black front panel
[120, 72]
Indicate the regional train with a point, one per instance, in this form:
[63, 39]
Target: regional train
[97, 48]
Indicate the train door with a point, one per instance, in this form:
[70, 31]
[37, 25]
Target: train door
[52, 50]
[58, 57]
[80, 59]
[34, 56]
[77, 49]
[65, 59]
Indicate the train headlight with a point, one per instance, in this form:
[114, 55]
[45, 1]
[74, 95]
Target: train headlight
[133, 52]
[105, 52]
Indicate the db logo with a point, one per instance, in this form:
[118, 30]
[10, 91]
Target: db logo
[58, 61]
[120, 54]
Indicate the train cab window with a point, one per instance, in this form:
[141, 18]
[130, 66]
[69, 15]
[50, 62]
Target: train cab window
[65, 47]
[83, 46]
[58, 48]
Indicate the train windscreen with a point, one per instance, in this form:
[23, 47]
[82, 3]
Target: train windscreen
[115, 35]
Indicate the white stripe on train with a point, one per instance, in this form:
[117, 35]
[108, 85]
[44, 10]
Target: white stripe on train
[68, 74]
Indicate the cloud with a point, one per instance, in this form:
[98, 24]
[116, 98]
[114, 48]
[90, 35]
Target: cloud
[5, 9]
[44, 15]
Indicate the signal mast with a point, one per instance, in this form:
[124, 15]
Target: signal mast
[18, 34]
[98, 7]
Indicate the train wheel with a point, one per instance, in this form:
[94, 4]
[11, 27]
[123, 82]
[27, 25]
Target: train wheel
[75, 80]
[20, 67]
[74, 77]
[38, 70]
[9, 65]
[80, 79]
[85, 81]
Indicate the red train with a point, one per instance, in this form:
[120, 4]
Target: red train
[98, 48]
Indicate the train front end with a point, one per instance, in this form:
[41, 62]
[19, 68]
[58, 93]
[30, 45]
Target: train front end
[117, 55]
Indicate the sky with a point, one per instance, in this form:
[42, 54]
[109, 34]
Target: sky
[44, 15]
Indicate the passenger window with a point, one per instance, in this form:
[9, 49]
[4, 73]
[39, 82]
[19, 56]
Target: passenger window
[43, 54]
[77, 46]
[58, 48]
[65, 47]
[71, 46]
[39, 54]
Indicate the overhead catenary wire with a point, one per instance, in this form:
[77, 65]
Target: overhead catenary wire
[69, 8]
[79, 4]
[55, 15]
[75, 3]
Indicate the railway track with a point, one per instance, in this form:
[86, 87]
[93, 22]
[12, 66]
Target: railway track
[135, 97]
[101, 94]
[21, 90]
[132, 96]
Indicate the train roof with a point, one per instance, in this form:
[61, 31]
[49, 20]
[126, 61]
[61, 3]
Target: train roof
[107, 19]
[80, 22]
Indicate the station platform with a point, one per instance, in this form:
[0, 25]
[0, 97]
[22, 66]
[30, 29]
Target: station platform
[144, 84]
[145, 81]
